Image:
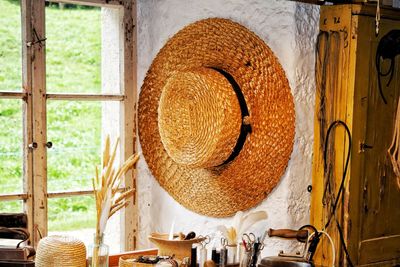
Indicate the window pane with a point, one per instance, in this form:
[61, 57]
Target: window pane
[71, 213]
[11, 146]
[74, 128]
[73, 49]
[77, 129]
[14, 206]
[10, 45]
[76, 216]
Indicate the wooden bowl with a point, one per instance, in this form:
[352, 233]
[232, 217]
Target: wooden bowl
[179, 248]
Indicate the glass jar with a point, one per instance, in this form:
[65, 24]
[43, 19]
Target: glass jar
[232, 252]
[98, 252]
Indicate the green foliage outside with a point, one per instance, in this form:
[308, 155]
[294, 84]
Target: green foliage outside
[73, 54]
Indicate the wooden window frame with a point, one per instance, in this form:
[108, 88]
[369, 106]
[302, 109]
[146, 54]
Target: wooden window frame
[34, 98]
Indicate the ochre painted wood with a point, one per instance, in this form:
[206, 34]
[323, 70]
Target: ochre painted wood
[380, 249]
[369, 210]
[336, 23]
[380, 216]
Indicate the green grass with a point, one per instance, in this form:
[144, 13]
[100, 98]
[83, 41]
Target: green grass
[73, 50]
[10, 46]
[10, 146]
[73, 54]
[71, 213]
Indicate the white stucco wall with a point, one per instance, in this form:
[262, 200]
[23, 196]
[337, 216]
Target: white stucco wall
[290, 30]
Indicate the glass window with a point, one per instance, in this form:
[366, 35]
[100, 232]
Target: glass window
[74, 128]
[83, 67]
[10, 45]
[73, 49]
[11, 161]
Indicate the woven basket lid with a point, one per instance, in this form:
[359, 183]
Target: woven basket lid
[60, 251]
[216, 118]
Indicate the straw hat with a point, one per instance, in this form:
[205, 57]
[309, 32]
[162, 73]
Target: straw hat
[60, 251]
[216, 118]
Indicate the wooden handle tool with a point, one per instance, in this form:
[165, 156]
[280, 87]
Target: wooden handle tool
[300, 235]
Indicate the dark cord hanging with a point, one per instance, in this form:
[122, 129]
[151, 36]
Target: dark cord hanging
[341, 187]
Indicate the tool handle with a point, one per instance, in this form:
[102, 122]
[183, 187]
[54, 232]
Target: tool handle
[288, 233]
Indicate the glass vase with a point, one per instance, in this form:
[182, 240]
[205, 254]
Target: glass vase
[98, 252]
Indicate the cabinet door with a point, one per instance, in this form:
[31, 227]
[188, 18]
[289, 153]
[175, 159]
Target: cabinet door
[379, 195]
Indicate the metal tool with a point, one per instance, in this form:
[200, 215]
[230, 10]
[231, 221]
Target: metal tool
[300, 235]
[300, 259]
[249, 239]
[253, 247]
[203, 250]
[223, 253]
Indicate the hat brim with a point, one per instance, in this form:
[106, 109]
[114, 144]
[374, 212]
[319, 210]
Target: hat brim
[249, 178]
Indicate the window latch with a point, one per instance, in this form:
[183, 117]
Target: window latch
[364, 146]
[32, 145]
[35, 145]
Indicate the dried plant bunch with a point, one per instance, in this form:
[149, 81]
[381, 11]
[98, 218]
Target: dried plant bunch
[241, 223]
[106, 186]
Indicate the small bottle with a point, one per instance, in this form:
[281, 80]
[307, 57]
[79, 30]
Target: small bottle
[98, 252]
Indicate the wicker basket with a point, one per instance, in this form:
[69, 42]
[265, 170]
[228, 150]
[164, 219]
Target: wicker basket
[129, 261]
[178, 248]
[60, 251]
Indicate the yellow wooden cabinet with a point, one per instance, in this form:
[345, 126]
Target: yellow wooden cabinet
[368, 211]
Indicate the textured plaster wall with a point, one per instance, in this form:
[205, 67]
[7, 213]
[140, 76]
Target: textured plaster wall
[290, 30]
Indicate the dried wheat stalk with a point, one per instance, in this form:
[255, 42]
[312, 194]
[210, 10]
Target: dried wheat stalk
[106, 184]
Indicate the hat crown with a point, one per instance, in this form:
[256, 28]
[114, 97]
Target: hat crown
[199, 118]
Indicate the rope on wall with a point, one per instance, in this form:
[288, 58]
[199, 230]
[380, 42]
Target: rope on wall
[333, 207]
[393, 151]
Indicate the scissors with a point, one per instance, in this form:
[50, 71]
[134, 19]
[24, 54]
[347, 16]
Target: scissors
[249, 238]
[223, 252]
[224, 242]
[205, 242]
